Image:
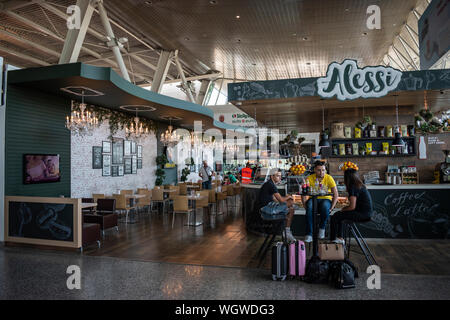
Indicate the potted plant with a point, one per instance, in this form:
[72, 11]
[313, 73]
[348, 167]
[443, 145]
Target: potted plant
[184, 173]
[160, 174]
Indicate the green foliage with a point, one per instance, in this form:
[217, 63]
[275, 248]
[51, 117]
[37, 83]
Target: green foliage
[184, 173]
[161, 160]
[118, 120]
[160, 175]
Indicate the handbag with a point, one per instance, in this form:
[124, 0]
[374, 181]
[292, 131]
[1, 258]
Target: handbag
[274, 211]
[342, 275]
[331, 251]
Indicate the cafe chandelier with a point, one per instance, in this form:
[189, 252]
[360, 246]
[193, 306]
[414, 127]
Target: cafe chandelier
[136, 129]
[169, 138]
[81, 122]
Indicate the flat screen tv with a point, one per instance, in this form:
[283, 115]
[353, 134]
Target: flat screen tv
[41, 168]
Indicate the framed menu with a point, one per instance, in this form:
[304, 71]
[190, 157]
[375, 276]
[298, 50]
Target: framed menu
[134, 165]
[133, 147]
[139, 151]
[127, 148]
[127, 166]
[114, 171]
[106, 170]
[96, 157]
[120, 170]
[139, 163]
[117, 151]
[106, 145]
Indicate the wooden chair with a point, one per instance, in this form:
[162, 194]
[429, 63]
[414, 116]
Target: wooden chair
[158, 197]
[199, 186]
[203, 203]
[123, 205]
[96, 196]
[181, 205]
[141, 189]
[126, 191]
[146, 201]
[173, 194]
[183, 189]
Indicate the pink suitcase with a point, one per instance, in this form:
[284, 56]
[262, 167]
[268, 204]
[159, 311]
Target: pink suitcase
[297, 258]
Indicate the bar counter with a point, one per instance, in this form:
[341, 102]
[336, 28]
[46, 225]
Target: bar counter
[405, 211]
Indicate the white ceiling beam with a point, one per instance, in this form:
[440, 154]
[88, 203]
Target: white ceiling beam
[102, 37]
[113, 43]
[161, 71]
[392, 60]
[75, 37]
[212, 76]
[54, 36]
[416, 53]
[183, 79]
[24, 56]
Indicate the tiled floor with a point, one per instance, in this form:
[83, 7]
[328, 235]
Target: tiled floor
[31, 274]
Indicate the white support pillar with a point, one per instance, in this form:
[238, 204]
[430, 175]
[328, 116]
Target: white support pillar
[183, 79]
[161, 71]
[202, 93]
[75, 37]
[113, 43]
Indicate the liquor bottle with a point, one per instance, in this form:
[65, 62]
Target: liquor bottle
[422, 148]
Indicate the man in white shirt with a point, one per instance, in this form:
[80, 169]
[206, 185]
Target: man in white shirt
[206, 174]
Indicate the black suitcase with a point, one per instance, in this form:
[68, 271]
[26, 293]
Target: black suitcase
[279, 261]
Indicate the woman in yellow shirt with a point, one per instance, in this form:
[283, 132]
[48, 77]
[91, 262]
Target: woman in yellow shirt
[325, 203]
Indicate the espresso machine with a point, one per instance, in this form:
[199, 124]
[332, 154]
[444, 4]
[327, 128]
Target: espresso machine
[444, 172]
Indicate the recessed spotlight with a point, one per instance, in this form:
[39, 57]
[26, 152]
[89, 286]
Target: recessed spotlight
[238, 17]
[364, 33]
[149, 3]
[238, 40]
[305, 38]
[187, 39]
[347, 9]
[294, 34]
[308, 63]
[213, 2]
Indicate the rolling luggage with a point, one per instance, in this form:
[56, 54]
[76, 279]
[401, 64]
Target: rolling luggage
[279, 261]
[297, 259]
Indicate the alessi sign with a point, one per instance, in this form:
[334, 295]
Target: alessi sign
[347, 82]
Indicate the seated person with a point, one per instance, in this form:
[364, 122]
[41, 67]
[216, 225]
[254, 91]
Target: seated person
[269, 192]
[325, 203]
[232, 178]
[360, 208]
[226, 180]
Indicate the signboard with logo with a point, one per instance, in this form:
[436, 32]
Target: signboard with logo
[347, 82]
[238, 119]
[434, 30]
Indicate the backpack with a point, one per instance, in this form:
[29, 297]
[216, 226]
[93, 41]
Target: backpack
[342, 274]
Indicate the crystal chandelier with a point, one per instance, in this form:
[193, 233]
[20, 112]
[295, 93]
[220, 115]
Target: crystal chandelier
[169, 138]
[81, 122]
[136, 129]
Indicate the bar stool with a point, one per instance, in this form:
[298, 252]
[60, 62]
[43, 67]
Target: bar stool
[352, 230]
[272, 228]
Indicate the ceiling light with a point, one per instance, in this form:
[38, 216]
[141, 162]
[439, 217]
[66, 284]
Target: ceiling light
[238, 17]
[187, 39]
[213, 2]
[364, 33]
[149, 3]
[305, 38]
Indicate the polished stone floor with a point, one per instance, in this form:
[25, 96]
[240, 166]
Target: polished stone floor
[31, 274]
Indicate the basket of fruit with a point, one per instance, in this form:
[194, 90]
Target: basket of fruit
[297, 170]
[349, 165]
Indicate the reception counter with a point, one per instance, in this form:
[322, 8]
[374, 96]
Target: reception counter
[400, 211]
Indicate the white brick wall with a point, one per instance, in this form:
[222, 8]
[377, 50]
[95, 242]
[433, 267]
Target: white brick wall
[85, 181]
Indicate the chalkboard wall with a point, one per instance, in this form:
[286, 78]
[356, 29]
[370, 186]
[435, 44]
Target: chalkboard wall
[409, 213]
[41, 220]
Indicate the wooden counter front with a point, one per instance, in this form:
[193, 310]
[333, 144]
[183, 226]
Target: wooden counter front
[43, 221]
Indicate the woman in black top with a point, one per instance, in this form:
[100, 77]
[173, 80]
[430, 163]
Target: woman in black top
[359, 210]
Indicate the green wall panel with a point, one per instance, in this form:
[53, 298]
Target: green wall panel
[35, 124]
